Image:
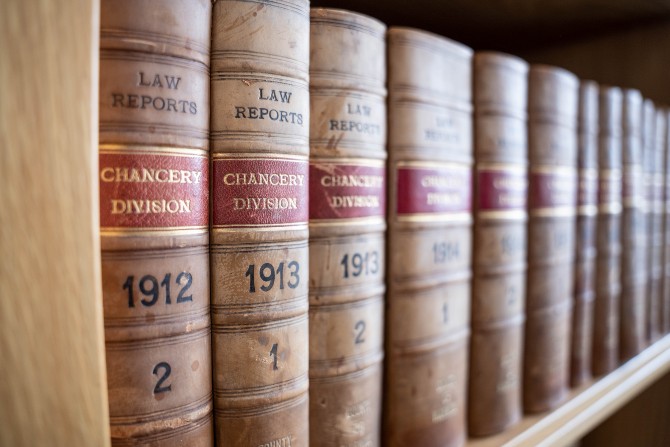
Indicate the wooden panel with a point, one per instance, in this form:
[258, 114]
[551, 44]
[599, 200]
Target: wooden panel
[511, 25]
[635, 58]
[52, 390]
[589, 405]
[643, 422]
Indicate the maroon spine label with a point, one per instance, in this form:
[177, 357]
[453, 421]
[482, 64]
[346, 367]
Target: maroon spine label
[259, 191]
[346, 191]
[553, 191]
[609, 191]
[587, 194]
[147, 189]
[502, 189]
[439, 189]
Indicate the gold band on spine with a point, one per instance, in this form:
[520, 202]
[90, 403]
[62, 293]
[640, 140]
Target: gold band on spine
[461, 217]
[136, 149]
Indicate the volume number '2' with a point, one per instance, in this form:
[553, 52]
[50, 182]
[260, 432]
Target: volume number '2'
[167, 370]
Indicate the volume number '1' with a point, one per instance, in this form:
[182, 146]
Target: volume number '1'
[150, 288]
[268, 274]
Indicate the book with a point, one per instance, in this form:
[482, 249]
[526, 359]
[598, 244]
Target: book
[608, 261]
[259, 224]
[154, 212]
[347, 223]
[499, 244]
[585, 234]
[666, 226]
[649, 149]
[552, 151]
[632, 334]
[656, 323]
[429, 240]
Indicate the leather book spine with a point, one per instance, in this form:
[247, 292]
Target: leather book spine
[585, 235]
[656, 324]
[608, 262]
[500, 93]
[259, 225]
[552, 150]
[632, 338]
[649, 148]
[666, 227]
[347, 225]
[429, 241]
[154, 215]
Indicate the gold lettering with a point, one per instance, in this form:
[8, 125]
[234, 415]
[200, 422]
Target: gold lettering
[259, 178]
[265, 203]
[158, 206]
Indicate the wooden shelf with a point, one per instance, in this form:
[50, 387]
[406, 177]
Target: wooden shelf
[588, 405]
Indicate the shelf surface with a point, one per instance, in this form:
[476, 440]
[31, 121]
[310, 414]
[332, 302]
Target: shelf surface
[589, 405]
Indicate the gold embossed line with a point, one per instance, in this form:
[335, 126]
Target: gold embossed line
[457, 217]
[348, 221]
[433, 164]
[134, 149]
[296, 226]
[519, 215]
[349, 161]
[517, 168]
[195, 230]
[261, 157]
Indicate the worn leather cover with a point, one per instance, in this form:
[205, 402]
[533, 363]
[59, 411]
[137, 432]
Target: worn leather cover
[427, 308]
[259, 225]
[608, 262]
[347, 227]
[656, 311]
[585, 234]
[154, 212]
[650, 149]
[499, 247]
[666, 228]
[632, 334]
[552, 148]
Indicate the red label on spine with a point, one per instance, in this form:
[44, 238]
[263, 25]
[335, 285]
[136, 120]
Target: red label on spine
[146, 190]
[259, 192]
[441, 189]
[502, 189]
[553, 189]
[341, 191]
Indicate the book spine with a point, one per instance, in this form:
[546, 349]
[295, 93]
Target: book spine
[656, 324]
[347, 225]
[499, 247]
[429, 243]
[649, 147]
[552, 150]
[585, 235]
[632, 336]
[259, 225]
[608, 263]
[666, 227]
[154, 210]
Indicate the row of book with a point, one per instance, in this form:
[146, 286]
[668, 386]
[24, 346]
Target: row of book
[317, 231]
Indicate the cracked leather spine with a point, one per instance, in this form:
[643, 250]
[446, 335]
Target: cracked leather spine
[429, 239]
[259, 226]
[347, 227]
[154, 211]
[500, 93]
